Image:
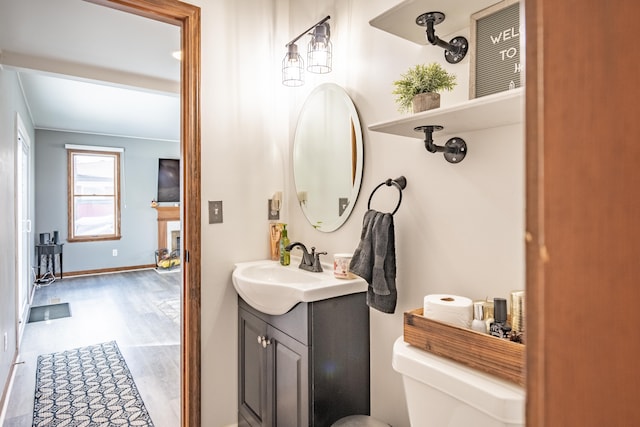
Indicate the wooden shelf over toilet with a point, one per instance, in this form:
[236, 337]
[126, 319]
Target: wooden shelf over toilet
[495, 356]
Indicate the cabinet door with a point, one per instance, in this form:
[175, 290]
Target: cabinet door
[252, 372]
[288, 379]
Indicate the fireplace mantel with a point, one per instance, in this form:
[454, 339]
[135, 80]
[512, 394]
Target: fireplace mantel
[165, 214]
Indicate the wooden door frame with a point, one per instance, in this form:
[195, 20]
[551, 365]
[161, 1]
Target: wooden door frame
[582, 214]
[187, 17]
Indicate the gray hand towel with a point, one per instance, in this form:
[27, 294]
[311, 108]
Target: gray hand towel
[362, 261]
[384, 265]
[375, 261]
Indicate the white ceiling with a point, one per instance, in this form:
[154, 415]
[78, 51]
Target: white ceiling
[87, 68]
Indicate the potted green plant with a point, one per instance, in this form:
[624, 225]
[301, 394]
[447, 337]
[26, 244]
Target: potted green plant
[418, 89]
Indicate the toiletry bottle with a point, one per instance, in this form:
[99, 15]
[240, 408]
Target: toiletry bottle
[487, 314]
[500, 328]
[274, 236]
[285, 256]
[478, 323]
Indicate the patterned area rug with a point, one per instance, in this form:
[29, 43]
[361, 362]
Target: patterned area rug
[88, 386]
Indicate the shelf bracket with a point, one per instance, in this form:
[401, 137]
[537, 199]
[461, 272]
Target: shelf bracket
[454, 150]
[455, 50]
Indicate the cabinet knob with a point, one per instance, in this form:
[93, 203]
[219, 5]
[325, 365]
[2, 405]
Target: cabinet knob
[264, 341]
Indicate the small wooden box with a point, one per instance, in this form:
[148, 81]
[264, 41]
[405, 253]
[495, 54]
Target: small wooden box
[495, 356]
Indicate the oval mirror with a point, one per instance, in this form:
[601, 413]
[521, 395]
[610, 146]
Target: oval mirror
[327, 157]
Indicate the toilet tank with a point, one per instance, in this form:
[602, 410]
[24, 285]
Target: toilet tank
[443, 393]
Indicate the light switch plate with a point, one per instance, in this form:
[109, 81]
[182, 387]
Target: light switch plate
[215, 211]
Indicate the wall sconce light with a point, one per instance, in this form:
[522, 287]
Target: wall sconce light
[292, 67]
[455, 149]
[455, 50]
[319, 50]
[318, 54]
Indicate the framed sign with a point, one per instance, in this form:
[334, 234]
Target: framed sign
[495, 49]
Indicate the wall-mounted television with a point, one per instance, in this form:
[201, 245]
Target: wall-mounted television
[169, 180]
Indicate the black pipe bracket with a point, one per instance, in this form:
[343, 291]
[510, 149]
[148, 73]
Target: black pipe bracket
[455, 50]
[454, 150]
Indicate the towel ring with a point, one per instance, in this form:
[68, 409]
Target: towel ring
[400, 183]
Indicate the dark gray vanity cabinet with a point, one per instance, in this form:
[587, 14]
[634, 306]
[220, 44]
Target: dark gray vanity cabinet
[307, 367]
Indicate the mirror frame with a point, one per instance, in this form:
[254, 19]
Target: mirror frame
[357, 149]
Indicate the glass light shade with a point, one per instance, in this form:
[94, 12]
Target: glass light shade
[292, 67]
[319, 50]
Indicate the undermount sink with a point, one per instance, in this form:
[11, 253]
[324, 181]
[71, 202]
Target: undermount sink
[275, 289]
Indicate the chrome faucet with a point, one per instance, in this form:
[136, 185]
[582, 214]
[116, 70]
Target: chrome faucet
[310, 261]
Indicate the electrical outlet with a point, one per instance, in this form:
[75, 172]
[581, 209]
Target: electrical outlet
[115, 252]
[215, 211]
[6, 342]
[272, 215]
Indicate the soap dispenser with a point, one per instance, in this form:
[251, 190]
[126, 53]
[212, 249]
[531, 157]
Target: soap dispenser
[285, 256]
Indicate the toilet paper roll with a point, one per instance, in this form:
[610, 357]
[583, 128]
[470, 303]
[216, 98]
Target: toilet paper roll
[452, 309]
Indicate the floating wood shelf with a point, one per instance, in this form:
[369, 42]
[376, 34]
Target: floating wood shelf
[400, 20]
[500, 109]
[495, 356]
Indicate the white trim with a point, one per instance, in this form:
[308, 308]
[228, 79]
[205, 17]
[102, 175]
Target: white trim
[24, 283]
[4, 404]
[144, 138]
[93, 148]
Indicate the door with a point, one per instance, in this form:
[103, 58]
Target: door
[186, 16]
[252, 377]
[23, 225]
[583, 214]
[273, 376]
[288, 379]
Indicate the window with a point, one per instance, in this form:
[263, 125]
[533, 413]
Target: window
[94, 195]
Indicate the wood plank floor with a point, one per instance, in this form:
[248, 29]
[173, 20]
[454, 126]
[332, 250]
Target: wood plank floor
[140, 310]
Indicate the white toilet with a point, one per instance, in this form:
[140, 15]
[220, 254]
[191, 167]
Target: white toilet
[444, 393]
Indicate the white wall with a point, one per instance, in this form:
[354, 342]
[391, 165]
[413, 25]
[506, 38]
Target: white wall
[459, 229]
[244, 142]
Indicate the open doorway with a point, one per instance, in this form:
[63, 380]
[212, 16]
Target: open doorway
[187, 17]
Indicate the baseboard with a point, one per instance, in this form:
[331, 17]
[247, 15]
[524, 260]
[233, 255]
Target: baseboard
[167, 270]
[6, 392]
[107, 270]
